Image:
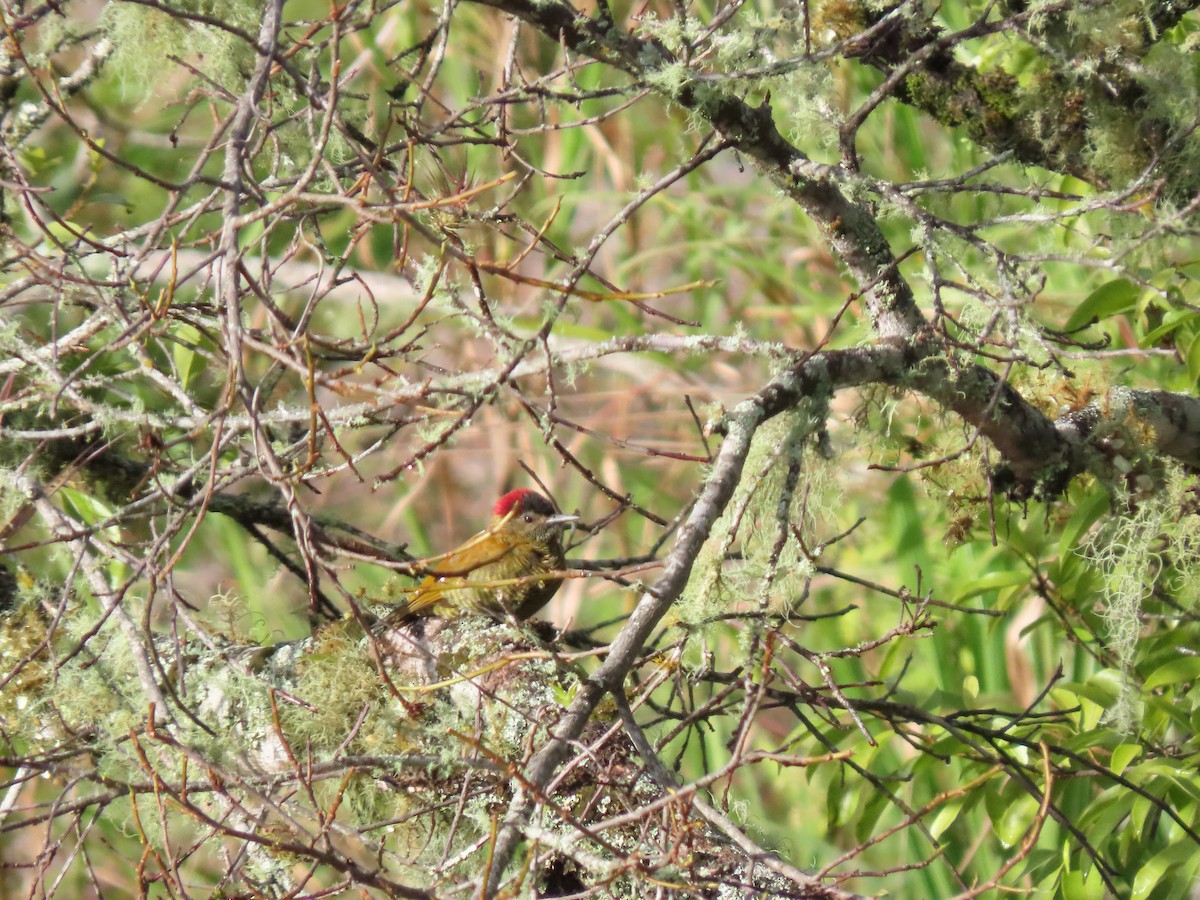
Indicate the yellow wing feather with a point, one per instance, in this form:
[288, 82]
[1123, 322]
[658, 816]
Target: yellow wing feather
[455, 577]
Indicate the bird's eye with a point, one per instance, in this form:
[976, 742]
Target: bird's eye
[528, 518]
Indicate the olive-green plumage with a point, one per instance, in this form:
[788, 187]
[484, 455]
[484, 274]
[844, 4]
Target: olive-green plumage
[499, 570]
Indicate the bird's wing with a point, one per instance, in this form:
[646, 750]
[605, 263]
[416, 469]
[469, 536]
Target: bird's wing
[460, 568]
[483, 549]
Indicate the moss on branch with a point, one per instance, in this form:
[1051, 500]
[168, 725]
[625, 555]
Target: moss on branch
[1072, 100]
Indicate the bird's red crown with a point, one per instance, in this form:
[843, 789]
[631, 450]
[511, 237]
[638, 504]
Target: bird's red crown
[523, 500]
[509, 500]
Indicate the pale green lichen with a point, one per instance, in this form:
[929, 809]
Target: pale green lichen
[491, 701]
[676, 33]
[144, 38]
[335, 680]
[808, 96]
[764, 520]
[671, 79]
[1151, 546]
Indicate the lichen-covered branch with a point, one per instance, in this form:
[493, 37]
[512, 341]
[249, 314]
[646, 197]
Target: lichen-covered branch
[1055, 113]
[428, 727]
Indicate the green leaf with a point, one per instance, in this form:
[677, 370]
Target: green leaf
[1182, 854]
[1016, 821]
[88, 508]
[971, 688]
[1106, 812]
[1102, 687]
[109, 197]
[990, 582]
[833, 804]
[1193, 358]
[188, 363]
[945, 817]
[1109, 299]
[1090, 713]
[1077, 886]
[873, 809]
[1172, 320]
[91, 510]
[1087, 510]
[1185, 668]
[1123, 756]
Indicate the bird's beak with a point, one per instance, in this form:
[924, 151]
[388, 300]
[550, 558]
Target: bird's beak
[561, 520]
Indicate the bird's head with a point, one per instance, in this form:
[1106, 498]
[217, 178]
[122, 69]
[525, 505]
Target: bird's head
[529, 514]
